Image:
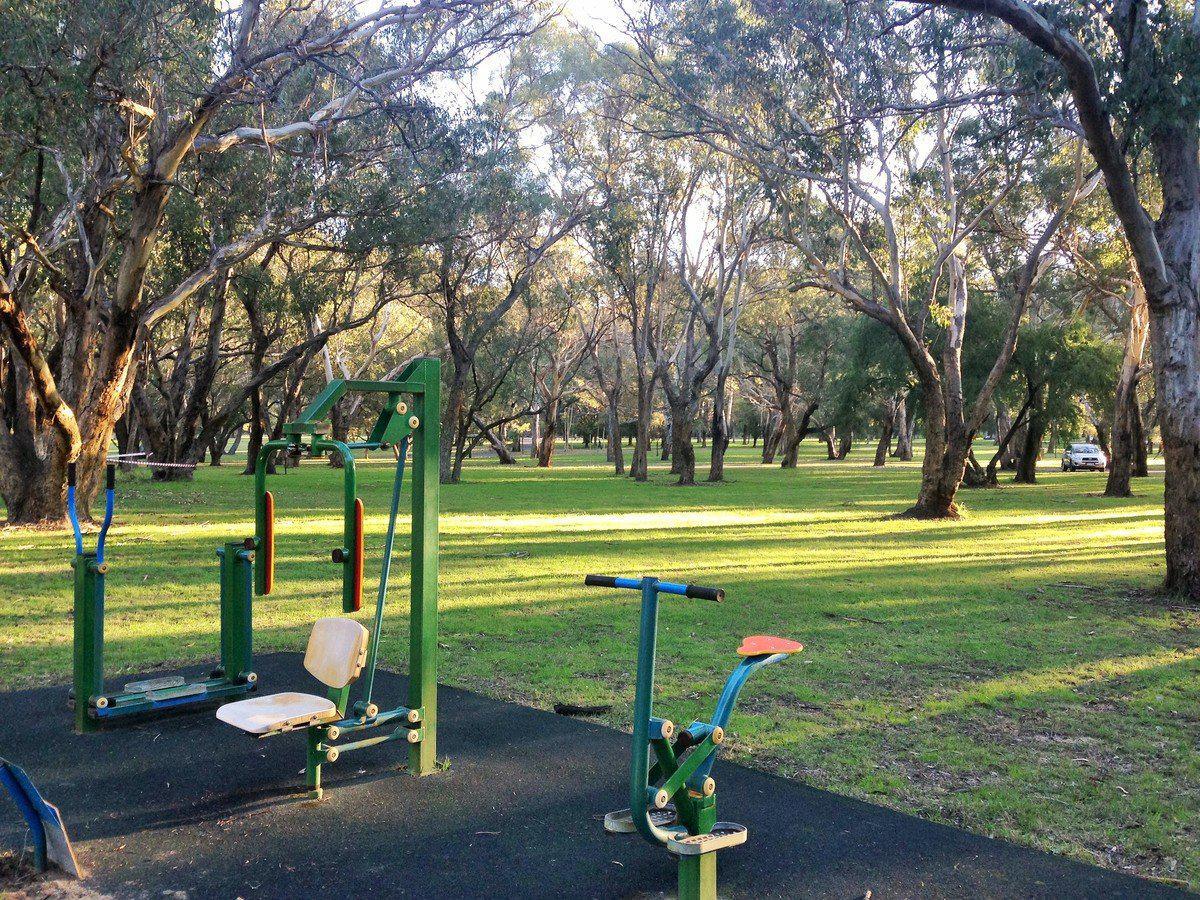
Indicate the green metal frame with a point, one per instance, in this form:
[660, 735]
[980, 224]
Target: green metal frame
[95, 705]
[680, 772]
[398, 424]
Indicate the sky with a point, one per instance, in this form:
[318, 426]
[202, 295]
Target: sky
[601, 16]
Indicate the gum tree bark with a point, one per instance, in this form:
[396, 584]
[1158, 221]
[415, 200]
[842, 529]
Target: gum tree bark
[1126, 428]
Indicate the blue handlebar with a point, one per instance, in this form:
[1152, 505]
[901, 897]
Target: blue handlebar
[71, 509]
[109, 505]
[662, 587]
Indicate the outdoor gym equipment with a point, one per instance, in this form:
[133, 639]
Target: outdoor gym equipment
[333, 654]
[674, 803]
[92, 703]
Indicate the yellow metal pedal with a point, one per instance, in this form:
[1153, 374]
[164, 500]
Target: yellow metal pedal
[724, 834]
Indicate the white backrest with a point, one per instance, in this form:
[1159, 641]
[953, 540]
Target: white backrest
[337, 651]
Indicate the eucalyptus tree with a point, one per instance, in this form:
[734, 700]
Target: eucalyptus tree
[787, 346]
[108, 109]
[882, 163]
[1130, 69]
[641, 194]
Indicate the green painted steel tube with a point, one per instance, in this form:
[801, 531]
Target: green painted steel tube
[639, 770]
[260, 511]
[349, 495]
[89, 639]
[698, 877]
[237, 592]
[677, 779]
[423, 649]
[397, 735]
[349, 726]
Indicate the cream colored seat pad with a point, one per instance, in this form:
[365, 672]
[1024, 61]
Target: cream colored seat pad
[258, 715]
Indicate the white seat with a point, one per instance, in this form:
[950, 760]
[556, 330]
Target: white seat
[278, 712]
[337, 651]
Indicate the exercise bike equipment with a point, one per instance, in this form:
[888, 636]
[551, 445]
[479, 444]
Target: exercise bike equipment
[673, 804]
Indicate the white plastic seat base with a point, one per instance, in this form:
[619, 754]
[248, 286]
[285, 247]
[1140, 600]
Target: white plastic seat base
[278, 712]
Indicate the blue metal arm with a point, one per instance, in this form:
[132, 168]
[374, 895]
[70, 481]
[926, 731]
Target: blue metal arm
[733, 687]
[71, 513]
[109, 504]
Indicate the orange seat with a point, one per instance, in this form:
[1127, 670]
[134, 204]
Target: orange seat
[763, 645]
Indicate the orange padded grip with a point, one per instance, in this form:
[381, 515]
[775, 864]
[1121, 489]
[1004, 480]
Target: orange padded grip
[358, 553]
[268, 547]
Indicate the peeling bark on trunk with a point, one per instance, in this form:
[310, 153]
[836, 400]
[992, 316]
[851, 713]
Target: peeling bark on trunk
[1126, 427]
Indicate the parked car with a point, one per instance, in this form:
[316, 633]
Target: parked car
[1084, 456]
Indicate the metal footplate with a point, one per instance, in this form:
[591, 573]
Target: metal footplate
[154, 684]
[621, 821]
[176, 691]
[724, 834]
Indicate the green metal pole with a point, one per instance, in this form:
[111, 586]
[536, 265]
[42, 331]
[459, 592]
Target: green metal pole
[260, 510]
[422, 659]
[698, 877]
[237, 593]
[643, 701]
[89, 638]
[349, 495]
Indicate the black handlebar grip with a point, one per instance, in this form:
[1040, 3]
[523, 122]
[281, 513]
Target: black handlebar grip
[705, 593]
[110, 477]
[70, 474]
[338, 555]
[600, 581]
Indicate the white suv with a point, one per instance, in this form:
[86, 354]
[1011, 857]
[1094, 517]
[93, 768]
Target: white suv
[1084, 456]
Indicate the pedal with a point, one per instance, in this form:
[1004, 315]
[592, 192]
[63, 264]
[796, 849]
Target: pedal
[154, 684]
[724, 834]
[176, 691]
[621, 821]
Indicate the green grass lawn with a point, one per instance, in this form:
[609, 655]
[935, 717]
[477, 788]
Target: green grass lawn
[1010, 672]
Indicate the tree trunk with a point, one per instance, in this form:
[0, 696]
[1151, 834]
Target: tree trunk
[639, 465]
[828, 436]
[946, 449]
[720, 430]
[496, 442]
[1140, 463]
[1126, 425]
[770, 440]
[545, 447]
[791, 445]
[906, 421]
[845, 443]
[454, 425]
[885, 437]
[683, 454]
[1032, 450]
[616, 454]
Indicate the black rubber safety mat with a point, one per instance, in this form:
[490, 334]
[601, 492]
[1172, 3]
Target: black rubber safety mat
[187, 804]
